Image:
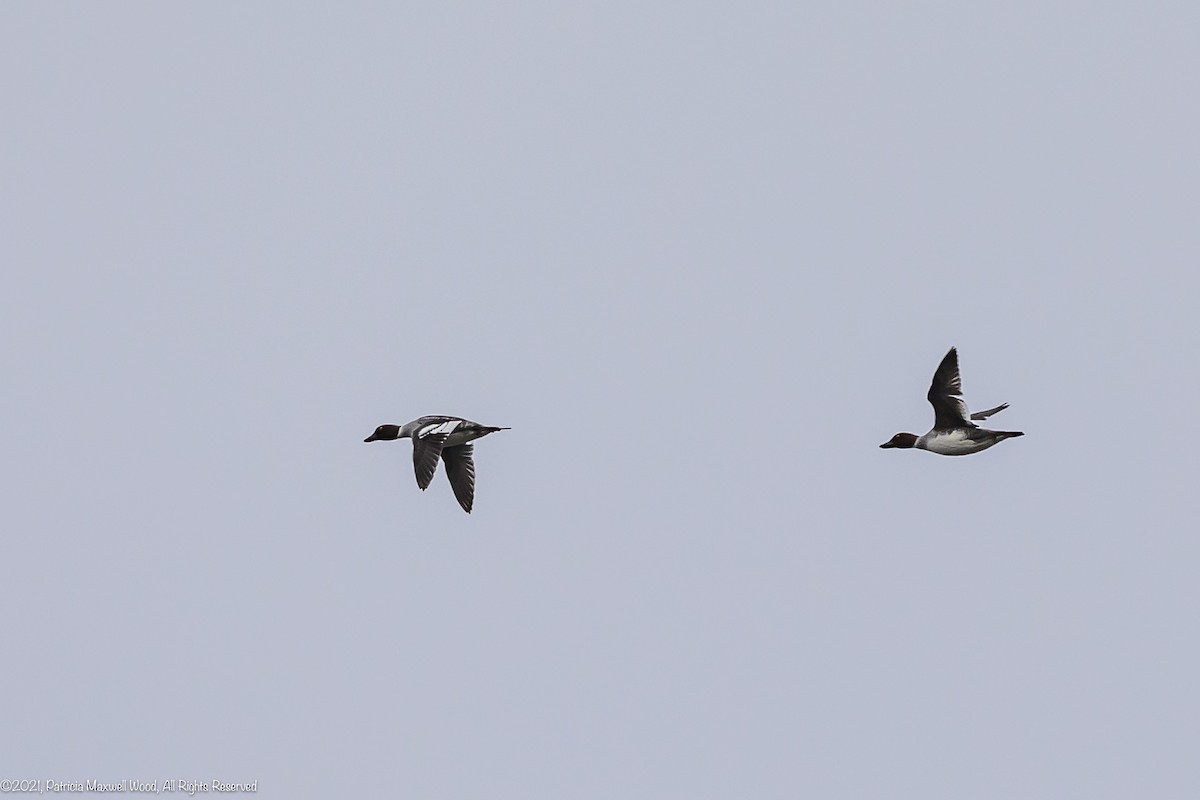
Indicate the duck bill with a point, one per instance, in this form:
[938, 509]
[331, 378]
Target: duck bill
[887, 446]
[371, 438]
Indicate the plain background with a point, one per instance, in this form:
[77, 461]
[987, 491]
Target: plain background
[704, 259]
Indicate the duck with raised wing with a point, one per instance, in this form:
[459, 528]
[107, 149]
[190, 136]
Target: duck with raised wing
[953, 434]
[447, 438]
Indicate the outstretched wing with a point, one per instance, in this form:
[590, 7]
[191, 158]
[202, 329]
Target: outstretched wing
[428, 441]
[945, 395]
[989, 412]
[427, 449]
[460, 469]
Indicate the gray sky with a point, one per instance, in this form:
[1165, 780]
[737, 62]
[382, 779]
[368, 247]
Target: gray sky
[703, 260]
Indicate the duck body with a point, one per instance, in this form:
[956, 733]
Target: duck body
[962, 441]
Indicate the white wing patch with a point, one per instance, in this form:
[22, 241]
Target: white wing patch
[439, 427]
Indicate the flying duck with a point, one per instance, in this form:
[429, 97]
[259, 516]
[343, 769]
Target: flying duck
[953, 433]
[448, 438]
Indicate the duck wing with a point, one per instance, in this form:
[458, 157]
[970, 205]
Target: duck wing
[460, 469]
[989, 412]
[945, 395]
[427, 449]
